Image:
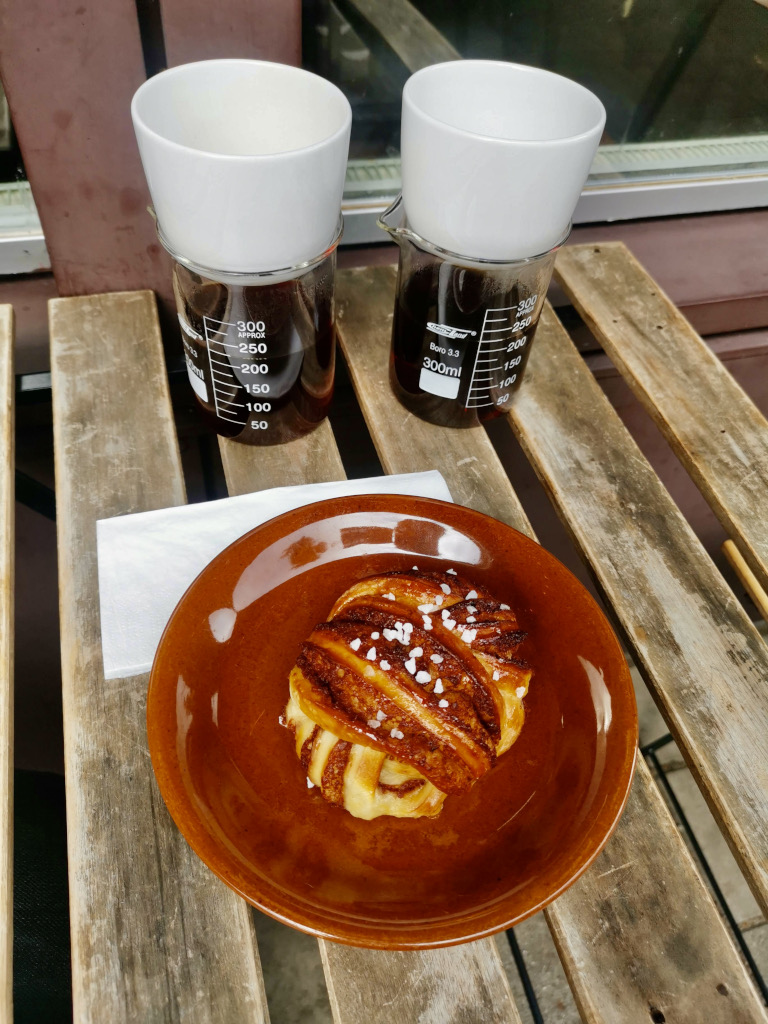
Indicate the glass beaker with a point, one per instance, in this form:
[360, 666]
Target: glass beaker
[245, 163]
[259, 348]
[463, 328]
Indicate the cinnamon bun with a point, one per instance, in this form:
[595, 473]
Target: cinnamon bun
[408, 693]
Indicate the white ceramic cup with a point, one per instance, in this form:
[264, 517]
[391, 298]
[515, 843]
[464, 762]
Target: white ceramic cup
[494, 156]
[245, 161]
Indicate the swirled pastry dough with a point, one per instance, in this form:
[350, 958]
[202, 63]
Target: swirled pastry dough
[409, 692]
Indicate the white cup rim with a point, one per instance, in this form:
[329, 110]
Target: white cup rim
[467, 133]
[181, 147]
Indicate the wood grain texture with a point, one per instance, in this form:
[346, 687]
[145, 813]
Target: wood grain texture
[70, 69]
[715, 430]
[647, 905]
[405, 30]
[256, 29]
[688, 971]
[461, 985]
[6, 660]
[404, 443]
[701, 656]
[155, 936]
[311, 459]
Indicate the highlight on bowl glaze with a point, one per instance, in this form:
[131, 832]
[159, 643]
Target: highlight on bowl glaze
[231, 780]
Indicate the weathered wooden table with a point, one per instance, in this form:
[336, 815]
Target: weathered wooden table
[156, 937]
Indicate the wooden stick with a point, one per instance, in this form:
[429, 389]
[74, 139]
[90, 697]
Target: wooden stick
[749, 580]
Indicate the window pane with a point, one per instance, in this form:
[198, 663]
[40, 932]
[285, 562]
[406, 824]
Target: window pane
[22, 248]
[684, 82]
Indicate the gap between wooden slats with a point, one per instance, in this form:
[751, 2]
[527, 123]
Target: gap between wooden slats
[714, 428]
[703, 659]
[6, 660]
[155, 936]
[654, 893]
[462, 985]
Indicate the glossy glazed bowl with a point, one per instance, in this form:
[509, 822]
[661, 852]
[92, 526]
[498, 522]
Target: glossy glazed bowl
[231, 780]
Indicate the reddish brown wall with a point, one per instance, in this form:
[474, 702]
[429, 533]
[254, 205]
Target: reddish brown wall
[258, 29]
[69, 69]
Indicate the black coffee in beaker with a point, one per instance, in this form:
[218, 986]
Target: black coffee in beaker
[460, 341]
[463, 327]
[260, 358]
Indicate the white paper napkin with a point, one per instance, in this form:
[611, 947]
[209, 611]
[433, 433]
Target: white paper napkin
[147, 560]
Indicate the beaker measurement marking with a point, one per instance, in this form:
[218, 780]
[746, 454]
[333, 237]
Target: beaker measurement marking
[213, 379]
[223, 383]
[224, 354]
[225, 370]
[225, 344]
[485, 369]
[222, 323]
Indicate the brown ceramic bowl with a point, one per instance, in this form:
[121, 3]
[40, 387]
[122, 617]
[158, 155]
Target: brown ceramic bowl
[230, 777]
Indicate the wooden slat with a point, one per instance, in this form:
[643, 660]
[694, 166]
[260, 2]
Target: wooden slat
[413, 37]
[69, 70]
[702, 657]
[714, 428]
[155, 936]
[6, 660]
[689, 973]
[460, 985]
[647, 905]
[312, 459]
[370, 985]
[404, 443]
[256, 29]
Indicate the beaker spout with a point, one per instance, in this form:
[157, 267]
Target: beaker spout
[393, 221]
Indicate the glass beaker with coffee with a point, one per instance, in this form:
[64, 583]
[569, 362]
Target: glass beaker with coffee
[494, 157]
[245, 162]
